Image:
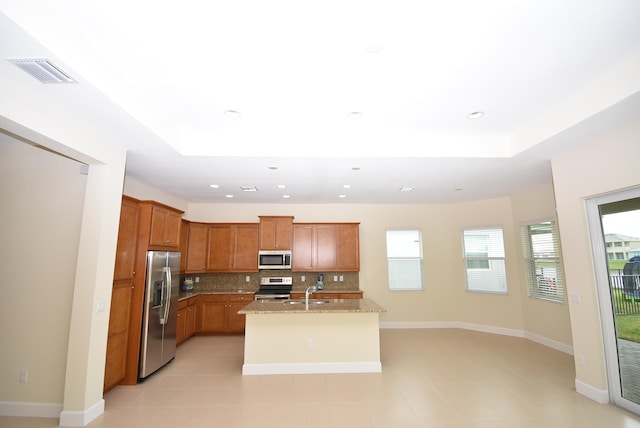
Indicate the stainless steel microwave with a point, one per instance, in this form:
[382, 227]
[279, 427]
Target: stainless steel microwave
[274, 259]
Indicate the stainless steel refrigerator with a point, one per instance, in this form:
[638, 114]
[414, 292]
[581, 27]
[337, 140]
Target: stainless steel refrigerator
[158, 343]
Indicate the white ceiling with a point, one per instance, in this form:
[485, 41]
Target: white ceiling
[159, 77]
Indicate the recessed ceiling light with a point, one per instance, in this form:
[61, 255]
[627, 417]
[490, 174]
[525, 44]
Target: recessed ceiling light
[475, 115]
[355, 115]
[346, 186]
[249, 188]
[457, 189]
[374, 48]
[228, 196]
[273, 168]
[214, 186]
[232, 114]
[281, 186]
[406, 189]
[286, 196]
[342, 196]
[355, 168]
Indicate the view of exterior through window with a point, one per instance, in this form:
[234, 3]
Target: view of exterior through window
[542, 261]
[404, 255]
[484, 260]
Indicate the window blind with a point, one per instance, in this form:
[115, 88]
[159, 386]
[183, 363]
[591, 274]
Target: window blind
[542, 261]
[485, 260]
[404, 258]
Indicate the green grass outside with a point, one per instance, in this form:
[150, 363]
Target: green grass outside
[616, 265]
[628, 327]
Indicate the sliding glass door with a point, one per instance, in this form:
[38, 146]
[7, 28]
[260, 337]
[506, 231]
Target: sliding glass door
[615, 231]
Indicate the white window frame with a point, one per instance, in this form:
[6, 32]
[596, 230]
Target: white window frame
[412, 279]
[556, 291]
[493, 279]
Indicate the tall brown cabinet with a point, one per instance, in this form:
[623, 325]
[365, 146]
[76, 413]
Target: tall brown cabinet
[144, 225]
[123, 274]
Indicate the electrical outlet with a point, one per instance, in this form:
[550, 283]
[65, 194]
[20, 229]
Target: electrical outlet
[197, 279]
[309, 343]
[341, 278]
[335, 278]
[247, 278]
[24, 376]
[302, 278]
[581, 361]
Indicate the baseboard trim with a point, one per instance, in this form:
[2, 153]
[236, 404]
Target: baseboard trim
[312, 368]
[597, 395]
[81, 418]
[32, 410]
[550, 343]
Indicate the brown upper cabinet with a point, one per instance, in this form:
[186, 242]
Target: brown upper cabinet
[127, 233]
[276, 232]
[321, 247]
[165, 227]
[196, 252]
[184, 241]
[232, 247]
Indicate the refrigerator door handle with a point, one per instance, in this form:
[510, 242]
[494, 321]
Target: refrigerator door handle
[167, 294]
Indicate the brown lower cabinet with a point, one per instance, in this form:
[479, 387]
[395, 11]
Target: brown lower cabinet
[186, 323]
[218, 313]
[116, 357]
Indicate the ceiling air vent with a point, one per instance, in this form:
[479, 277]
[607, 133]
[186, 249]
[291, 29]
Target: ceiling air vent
[44, 70]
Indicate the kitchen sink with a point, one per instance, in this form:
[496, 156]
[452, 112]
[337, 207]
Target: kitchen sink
[302, 302]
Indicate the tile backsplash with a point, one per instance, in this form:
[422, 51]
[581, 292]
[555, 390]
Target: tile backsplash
[234, 282]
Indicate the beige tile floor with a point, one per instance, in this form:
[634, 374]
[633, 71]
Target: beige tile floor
[430, 378]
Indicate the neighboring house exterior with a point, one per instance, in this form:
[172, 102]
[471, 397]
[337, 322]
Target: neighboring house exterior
[621, 247]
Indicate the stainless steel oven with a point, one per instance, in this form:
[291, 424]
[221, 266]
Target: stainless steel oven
[275, 287]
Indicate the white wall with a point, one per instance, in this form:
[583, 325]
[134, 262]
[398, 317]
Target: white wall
[42, 196]
[607, 164]
[444, 300]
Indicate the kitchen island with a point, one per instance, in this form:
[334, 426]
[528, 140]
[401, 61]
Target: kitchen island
[326, 336]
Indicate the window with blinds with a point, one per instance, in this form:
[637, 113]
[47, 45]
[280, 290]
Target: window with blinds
[542, 261]
[404, 258]
[484, 260]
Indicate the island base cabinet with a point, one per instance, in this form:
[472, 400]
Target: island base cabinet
[311, 343]
[219, 313]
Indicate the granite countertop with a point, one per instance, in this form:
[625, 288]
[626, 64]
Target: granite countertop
[333, 306]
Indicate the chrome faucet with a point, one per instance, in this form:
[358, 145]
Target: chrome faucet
[310, 290]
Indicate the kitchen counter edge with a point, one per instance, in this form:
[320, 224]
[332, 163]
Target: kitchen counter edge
[333, 306]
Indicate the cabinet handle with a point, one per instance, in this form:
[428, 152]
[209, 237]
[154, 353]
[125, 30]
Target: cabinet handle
[167, 241]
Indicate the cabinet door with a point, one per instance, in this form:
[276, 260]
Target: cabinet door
[181, 325]
[236, 321]
[127, 235]
[276, 233]
[118, 335]
[326, 244]
[196, 258]
[219, 248]
[184, 241]
[165, 227]
[211, 314]
[303, 248]
[348, 247]
[172, 229]
[245, 248]
[191, 318]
